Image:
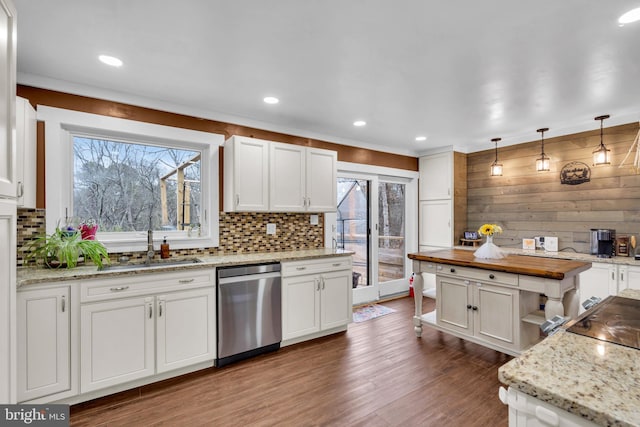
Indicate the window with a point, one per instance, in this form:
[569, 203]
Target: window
[130, 177]
[125, 186]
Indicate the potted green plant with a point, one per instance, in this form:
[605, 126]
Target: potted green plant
[63, 248]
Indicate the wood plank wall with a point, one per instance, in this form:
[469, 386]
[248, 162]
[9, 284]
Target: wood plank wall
[527, 203]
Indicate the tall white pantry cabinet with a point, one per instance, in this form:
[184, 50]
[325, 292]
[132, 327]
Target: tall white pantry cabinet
[442, 195]
[8, 208]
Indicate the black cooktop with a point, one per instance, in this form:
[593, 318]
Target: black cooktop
[615, 320]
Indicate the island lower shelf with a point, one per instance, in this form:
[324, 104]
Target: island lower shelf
[495, 303]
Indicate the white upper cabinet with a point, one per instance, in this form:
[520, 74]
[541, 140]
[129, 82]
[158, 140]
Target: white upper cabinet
[436, 176]
[246, 175]
[321, 180]
[7, 100]
[287, 186]
[26, 128]
[271, 176]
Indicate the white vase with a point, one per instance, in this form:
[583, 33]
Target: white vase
[489, 250]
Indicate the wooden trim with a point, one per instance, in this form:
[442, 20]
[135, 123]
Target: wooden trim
[38, 96]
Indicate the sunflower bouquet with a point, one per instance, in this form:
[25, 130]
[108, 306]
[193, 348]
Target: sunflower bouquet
[489, 229]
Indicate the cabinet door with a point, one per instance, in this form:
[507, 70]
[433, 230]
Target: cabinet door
[435, 223]
[628, 277]
[598, 281]
[250, 175]
[321, 180]
[300, 306]
[436, 176]
[117, 342]
[496, 318]
[185, 328]
[453, 304]
[335, 309]
[7, 299]
[25, 153]
[287, 178]
[43, 343]
[7, 101]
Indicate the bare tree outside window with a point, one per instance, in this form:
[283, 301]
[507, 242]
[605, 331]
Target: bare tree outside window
[128, 186]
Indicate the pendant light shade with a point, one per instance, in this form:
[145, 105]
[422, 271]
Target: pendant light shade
[543, 163]
[496, 168]
[601, 155]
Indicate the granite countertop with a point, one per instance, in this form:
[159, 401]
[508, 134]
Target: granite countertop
[596, 380]
[34, 275]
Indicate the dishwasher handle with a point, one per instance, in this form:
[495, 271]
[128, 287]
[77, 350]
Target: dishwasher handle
[247, 278]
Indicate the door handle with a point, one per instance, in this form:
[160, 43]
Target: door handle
[322, 278]
[185, 280]
[160, 309]
[119, 288]
[317, 284]
[150, 311]
[63, 304]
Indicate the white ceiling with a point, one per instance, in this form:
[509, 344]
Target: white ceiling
[457, 72]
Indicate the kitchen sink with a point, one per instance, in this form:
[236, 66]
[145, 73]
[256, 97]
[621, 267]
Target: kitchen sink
[152, 264]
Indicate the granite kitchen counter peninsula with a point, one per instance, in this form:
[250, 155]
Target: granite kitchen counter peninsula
[33, 275]
[595, 380]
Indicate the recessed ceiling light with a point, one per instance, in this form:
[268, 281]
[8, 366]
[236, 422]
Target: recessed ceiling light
[629, 17]
[271, 100]
[359, 123]
[421, 138]
[110, 60]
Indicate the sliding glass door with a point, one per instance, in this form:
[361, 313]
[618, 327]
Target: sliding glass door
[371, 222]
[392, 256]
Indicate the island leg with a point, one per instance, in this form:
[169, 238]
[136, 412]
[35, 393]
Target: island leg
[418, 286]
[571, 303]
[553, 307]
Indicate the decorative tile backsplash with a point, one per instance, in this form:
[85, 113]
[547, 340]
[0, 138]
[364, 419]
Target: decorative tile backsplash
[239, 233]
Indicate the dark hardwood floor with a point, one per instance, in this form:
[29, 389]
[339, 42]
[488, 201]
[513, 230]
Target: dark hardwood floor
[376, 374]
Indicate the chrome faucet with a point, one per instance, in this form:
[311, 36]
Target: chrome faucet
[150, 251]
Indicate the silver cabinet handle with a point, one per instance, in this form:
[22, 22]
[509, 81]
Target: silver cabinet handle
[160, 309]
[63, 304]
[322, 278]
[20, 189]
[337, 264]
[185, 280]
[150, 311]
[119, 288]
[237, 200]
[317, 284]
[301, 268]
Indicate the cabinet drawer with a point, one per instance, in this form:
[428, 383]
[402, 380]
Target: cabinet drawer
[142, 284]
[314, 266]
[485, 276]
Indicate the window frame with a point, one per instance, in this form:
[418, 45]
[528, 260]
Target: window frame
[62, 125]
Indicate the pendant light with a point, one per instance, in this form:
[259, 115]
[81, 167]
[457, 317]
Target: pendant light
[601, 154]
[543, 162]
[496, 168]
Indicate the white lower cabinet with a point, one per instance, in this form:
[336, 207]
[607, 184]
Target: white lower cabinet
[132, 328]
[44, 345]
[476, 309]
[316, 296]
[131, 338]
[185, 329]
[117, 342]
[604, 279]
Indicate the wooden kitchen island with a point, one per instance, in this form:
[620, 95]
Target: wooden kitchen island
[495, 302]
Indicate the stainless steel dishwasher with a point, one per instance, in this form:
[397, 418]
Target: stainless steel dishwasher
[249, 311]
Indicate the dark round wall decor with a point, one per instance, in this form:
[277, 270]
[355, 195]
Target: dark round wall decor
[575, 173]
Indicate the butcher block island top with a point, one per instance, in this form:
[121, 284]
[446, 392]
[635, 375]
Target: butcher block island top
[549, 268]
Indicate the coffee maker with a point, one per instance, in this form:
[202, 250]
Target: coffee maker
[603, 242]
